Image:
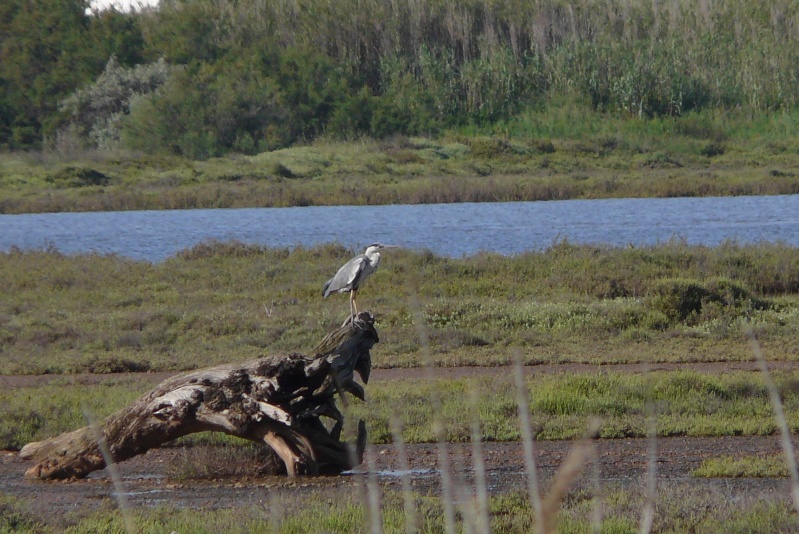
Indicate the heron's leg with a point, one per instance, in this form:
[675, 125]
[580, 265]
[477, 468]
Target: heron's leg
[354, 305]
[353, 309]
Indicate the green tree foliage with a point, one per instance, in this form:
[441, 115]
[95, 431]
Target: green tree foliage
[261, 75]
[96, 112]
[204, 110]
[47, 50]
[118, 35]
[184, 31]
[40, 60]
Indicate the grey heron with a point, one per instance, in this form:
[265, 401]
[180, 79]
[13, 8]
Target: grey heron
[351, 276]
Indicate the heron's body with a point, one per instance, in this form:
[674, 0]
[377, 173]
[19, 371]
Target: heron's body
[351, 276]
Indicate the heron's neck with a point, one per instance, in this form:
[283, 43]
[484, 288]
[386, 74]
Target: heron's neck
[374, 258]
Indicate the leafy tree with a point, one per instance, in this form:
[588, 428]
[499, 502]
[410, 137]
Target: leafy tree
[47, 50]
[205, 110]
[116, 34]
[312, 87]
[96, 111]
[40, 61]
[184, 31]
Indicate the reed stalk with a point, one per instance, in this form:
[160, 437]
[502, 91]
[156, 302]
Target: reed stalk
[782, 422]
[411, 525]
[528, 442]
[113, 472]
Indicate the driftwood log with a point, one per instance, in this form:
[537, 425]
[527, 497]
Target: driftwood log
[276, 400]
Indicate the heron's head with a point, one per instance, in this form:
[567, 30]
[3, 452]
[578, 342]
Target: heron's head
[376, 247]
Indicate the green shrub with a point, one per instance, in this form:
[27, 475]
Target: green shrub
[113, 364]
[490, 147]
[98, 109]
[689, 301]
[77, 177]
[712, 150]
[353, 117]
[679, 299]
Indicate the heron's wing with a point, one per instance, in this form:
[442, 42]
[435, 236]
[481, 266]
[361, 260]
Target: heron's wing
[346, 276]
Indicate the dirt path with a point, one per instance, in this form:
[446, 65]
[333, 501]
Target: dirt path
[11, 381]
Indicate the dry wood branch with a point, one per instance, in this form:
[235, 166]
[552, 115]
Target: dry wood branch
[276, 400]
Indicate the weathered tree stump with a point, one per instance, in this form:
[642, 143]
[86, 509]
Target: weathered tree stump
[276, 400]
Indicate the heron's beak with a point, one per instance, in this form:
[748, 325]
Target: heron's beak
[391, 246]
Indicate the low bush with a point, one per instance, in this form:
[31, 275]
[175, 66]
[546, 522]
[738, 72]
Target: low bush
[77, 177]
[691, 301]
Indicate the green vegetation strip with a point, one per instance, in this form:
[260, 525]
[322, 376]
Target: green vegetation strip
[772, 465]
[620, 158]
[223, 302]
[680, 509]
[687, 404]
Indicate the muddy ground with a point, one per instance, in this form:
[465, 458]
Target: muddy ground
[150, 480]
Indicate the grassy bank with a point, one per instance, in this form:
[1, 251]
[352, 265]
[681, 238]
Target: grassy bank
[687, 403]
[567, 151]
[221, 302]
[681, 509]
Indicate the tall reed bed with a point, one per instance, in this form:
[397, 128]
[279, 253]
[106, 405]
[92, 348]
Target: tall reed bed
[484, 59]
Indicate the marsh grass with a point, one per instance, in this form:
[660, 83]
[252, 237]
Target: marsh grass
[689, 404]
[687, 397]
[220, 302]
[567, 150]
[730, 466]
[680, 509]
[220, 457]
[30, 414]
[683, 288]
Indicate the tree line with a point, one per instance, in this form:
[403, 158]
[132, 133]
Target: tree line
[201, 78]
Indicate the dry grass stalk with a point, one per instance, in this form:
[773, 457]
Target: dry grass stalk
[439, 427]
[523, 403]
[351, 441]
[648, 513]
[375, 516]
[481, 520]
[407, 493]
[465, 497]
[276, 512]
[578, 455]
[113, 472]
[596, 511]
[776, 403]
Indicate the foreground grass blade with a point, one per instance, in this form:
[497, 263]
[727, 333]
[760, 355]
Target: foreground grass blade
[483, 524]
[407, 492]
[439, 428]
[113, 472]
[375, 516]
[648, 513]
[579, 453]
[522, 400]
[785, 432]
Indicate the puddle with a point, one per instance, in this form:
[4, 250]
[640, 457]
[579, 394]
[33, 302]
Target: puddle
[131, 493]
[392, 473]
[409, 473]
[145, 477]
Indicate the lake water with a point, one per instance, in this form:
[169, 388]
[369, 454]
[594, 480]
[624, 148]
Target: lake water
[448, 229]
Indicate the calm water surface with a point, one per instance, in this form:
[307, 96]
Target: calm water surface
[448, 229]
